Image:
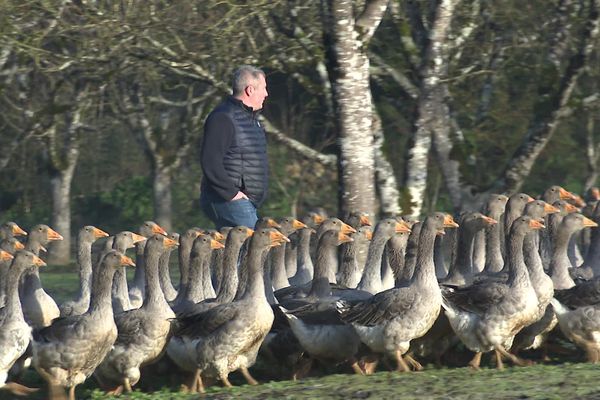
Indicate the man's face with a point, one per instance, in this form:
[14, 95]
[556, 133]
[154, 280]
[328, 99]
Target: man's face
[257, 93]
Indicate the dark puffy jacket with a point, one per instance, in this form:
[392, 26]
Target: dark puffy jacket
[246, 159]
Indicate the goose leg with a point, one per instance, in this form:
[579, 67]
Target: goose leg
[127, 385]
[370, 364]
[402, 366]
[413, 363]
[72, 393]
[514, 359]
[355, 367]
[225, 380]
[249, 378]
[199, 385]
[476, 361]
[499, 364]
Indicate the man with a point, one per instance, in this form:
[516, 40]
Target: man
[234, 153]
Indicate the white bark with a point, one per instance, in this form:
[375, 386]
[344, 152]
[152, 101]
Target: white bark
[429, 103]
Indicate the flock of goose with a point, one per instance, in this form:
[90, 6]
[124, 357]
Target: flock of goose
[296, 292]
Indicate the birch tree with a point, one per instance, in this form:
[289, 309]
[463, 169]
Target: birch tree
[349, 71]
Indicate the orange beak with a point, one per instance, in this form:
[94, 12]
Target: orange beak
[588, 223]
[217, 236]
[127, 261]
[19, 246]
[138, 238]
[318, 219]
[489, 220]
[364, 221]
[53, 235]
[249, 232]
[369, 235]
[401, 226]
[277, 238]
[343, 238]
[347, 229]
[530, 199]
[535, 224]
[298, 225]
[5, 255]
[570, 208]
[98, 233]
[157, 229]
[38, 262]
[17, 231]
[550, 209]
[271, 223]
[565, 194]
[449, 221]
[170, 243]
[214, 244]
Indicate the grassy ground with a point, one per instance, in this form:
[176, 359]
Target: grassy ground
[562, 379]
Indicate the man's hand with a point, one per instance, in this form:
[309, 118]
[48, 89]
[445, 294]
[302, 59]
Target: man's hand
[239, 196]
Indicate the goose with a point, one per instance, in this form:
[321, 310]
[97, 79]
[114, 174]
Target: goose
[11, 246]
[316, 322]
[303, 290]
[14, 331]
[86, 236]
[178, 347]
[410, 258]
[513, 210]
[217, 257]
[552, 194]
[121, 242]
[276, 258]
[560, 263]
[39, 308]
[388, 321]
[66, 353]
[165, 278]
[11, 229]
[494, 208]
[208, 290]
[486, 316]
[591, 265]
[298, 264]
[137, 288]
[386, 228]
[227, 337]
[462, 270]
[350, 271]
[143, 333]
[186, 242]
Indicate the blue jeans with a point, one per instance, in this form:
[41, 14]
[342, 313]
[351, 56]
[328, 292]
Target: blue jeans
[230, 213]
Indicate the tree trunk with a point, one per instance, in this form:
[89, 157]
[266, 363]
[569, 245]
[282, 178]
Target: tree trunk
[163, 212]
[352, 97]
[387, 185]
[430, 119]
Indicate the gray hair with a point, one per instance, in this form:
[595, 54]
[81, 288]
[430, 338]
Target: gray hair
[242, 77]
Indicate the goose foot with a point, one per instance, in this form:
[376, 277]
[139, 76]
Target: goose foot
[402, 365]
[249, 378]
[355, 367]
[116, 391]
[225, 380]
[475, 361]
[514, 359]
[19, 390]
[592, 354]
[416, 366]
[369, 364]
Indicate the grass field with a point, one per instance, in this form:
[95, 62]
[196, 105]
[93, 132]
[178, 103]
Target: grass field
[563, 378]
